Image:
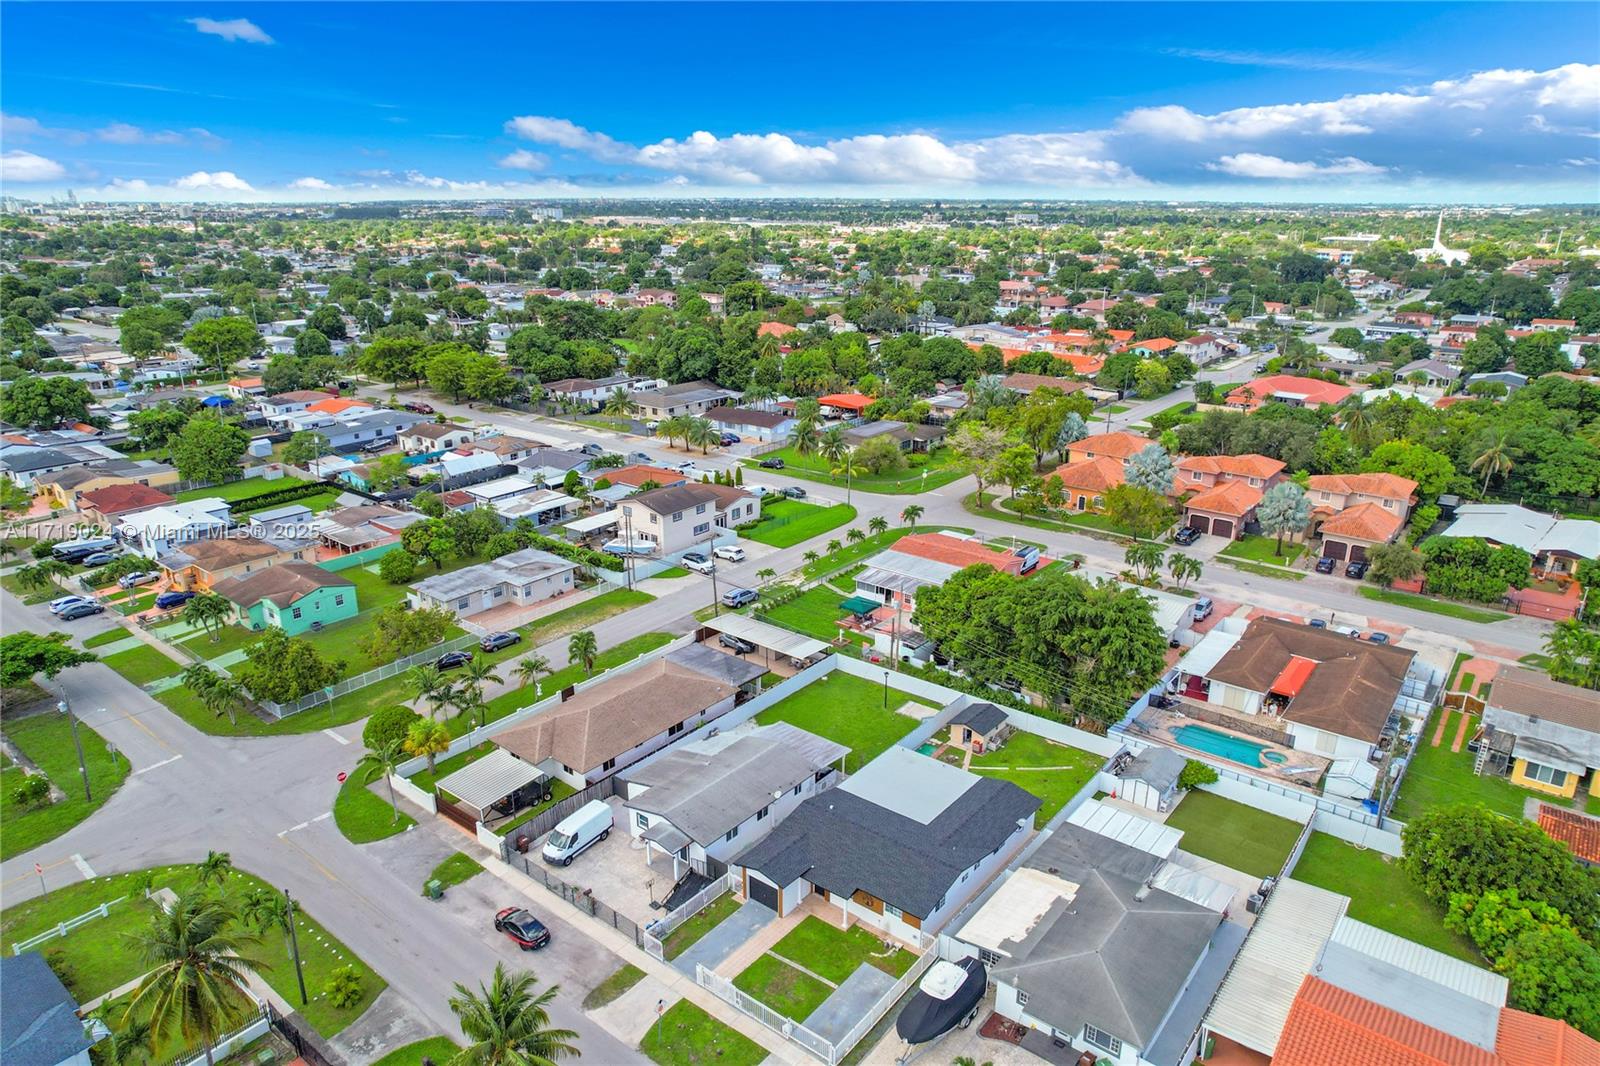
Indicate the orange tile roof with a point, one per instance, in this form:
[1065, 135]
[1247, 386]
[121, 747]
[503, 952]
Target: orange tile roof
[246, 383]
[1388, 486]
[1315, 390]
[1364, 521]
[1528, 1040]
[1235, 498]
[1121, 336]
[1247, 465]
[774, 329]
[1577, 831]
[1328, 1026]
[953, 550]
[1093, 475]
[1121, 444]
[852, 401]
[335, 406]
[1156, 344]
[638, 474]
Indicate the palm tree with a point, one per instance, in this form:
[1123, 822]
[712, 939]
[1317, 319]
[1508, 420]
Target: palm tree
[195, 987]
[832, 445]
[208, 612]
[508, 1024]
[129, 1044]
[670, 428]
[431, 687]
[477, 672]
[766, 574]
[41, 575]
[811, 556]
[847, 468]
[1357, 420]
[224, 696]
[1183, 568]
[834, 545]
[804, 438]
[910, 515]
[700, 433]
[265, 909]
[383, 759]
[1495, 459]
[620, 405]
[530, 669]
[878, 524]
[855, 536]
[214, 868]
[428, 738]
[582, 649]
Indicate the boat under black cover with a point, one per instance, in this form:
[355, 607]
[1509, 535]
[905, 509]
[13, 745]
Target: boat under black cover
[947, 996]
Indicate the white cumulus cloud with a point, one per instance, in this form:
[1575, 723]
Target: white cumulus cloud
[21, 166]
[232, 30]
[522, 159]
[1256, 165]
[213, 181]
[311, 183]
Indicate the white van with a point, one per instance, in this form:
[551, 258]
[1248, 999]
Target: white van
[575, 832]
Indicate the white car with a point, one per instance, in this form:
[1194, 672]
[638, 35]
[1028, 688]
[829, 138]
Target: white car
[731, 552]
[699, 563]
[57, 606]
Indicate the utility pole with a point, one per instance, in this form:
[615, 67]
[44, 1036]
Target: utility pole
[716, 603]
[83, 771]
[294, 944]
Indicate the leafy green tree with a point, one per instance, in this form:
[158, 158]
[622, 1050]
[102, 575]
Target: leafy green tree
[980, 445]
[390, 723]
[397, 566]
[44, 403]
[1393, 562]
[508, 1023]
[305, 447]
[209, 449]
[222, 342]
[1138, 510]
[1431, 470]
[24, 654]
[1574, 651]
[582, 649]
[282, 668]
[399, 630]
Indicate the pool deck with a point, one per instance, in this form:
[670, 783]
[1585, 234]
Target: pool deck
[1297, 768]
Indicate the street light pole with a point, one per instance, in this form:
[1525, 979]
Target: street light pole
[294, 944]
[83, 771]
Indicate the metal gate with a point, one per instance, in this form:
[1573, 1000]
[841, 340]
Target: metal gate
[456, 814]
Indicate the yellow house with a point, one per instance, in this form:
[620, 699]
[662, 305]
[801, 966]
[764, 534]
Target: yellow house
[1545, 736]
[63, 488]
[198, 565]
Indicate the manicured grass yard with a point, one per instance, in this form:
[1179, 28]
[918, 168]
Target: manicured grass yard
[626, 976]
[849, 710]
[238, 490]
[1020, 760]
[142, 665]
[46, 738]
[1263, 550]
[684, 937]
[228, 638]
[1429, 603]
[780, 986]
[785, 523]
[670, 573]
[455, 869]
[440, 1049]
[1380, 894]
[815, 612]
[834, 953]
[29, 596]
[943, 466]
[583, 615]
[110, 636]
[688, 1036]
[1438, 776]
[364, 816]
[1233, 834]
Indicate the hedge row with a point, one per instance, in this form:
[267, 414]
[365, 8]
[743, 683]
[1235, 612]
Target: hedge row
[273, 497]
[576, 553]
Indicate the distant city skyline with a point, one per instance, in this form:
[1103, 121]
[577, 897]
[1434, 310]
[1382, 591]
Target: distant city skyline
[1365, 103]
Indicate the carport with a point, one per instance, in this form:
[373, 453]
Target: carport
[499, 776]
[593, 524]
[777, 642]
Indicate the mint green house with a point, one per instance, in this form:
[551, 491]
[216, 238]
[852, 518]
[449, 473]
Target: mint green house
[295, 597]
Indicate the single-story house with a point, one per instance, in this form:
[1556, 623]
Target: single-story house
[1289, 389]
[524, 577]
[688, 398]
[370, 525]
[1557, 545]
[899, 847]
[278, 407]
[979, 727]
[65, 487]
[294, 596]
[844, 404]
[549, 466]
[910, 438]
[39, 1023]
[765, 426]
[1436, 373]
[160, 530]
[1028, 384]
[1542, 734]
[199, 565]
[507, 449]
[898, 573]
[638, 476]
[104, 506]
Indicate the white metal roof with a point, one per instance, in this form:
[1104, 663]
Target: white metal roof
[1126, 827]
[1452, 973]
[1204, 656]
[1014, 909]
[603, 520]
[489, 779]
[1194, 886]
[1284, 944]
[776, 639]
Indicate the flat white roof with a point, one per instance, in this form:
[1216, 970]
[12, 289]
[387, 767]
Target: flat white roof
[910, 784]
[1125, 827]
[603, 520]
[1014, 909]
[1204, 656]
[489, 779]
[1446, 970]
[776, 639]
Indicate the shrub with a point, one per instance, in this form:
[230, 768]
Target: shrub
[61, 966]
[33, 792]
[343, 987]
[1196, 773]
[389, 724]
[397, 567]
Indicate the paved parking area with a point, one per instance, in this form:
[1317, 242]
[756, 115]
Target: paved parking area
[615, 872]
[726, 938]
[849, 1002]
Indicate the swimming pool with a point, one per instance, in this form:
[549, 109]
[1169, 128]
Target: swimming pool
[928, 748]
[1226, 745]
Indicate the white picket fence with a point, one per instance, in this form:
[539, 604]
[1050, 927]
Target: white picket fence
[663, 926]
[65, 927]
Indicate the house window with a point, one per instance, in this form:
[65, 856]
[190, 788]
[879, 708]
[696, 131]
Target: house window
[295, 613]
[641, 820]
[797, 788]
[762, 813]
[990, 959]
[703, 527]
[1194, 475]
[338, 601]
[892, 911]
[1389, 504]
[1022, 998]
[1324, 495]
[1548, 775]
[609, 764]
[701, 509]
[654, 519]
[1103, 1040]
[677, 516]
[463, 603]
[673, 731]
[732, 833]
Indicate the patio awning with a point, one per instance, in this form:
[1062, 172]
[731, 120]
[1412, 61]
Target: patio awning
[1293, 677]
[776, 639]
[666, 836]
[860, 605]
[489, 780]
[595, 522]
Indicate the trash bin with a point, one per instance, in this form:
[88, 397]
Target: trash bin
[435, 889]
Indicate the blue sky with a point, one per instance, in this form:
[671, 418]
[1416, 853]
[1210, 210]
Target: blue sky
[1294, 101]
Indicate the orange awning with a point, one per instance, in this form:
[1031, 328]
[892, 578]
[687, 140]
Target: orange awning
[1293, 677]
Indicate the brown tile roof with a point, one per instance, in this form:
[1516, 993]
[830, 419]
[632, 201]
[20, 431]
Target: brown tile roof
[955, 551]
[639, 474]
[673, 498]
[1328, 1026]
[504, 445]
[607, 720]
[298, 396]
[282, 584]
[1095, 475]
[1577, 831]
[1350, 691]
[120, 499]
[1528, 1040]
[1364, 521]
[1121, 444]
[1236, 498]
[1535, 695]
[219, 553]
[1392, 486]
[431, 430]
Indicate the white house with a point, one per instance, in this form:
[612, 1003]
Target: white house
[161, 529]
[523, 578]
[434, 437]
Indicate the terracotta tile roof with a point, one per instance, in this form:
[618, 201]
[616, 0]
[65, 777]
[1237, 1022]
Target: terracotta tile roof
[1121, 445]
[246, 383]
[1248, 465]
[1328, 1026]
[1528, 1040]
[637, 475]
[1235, 498]
[219, 553]
[952, 550]
[120, 499]
[1315, 390]
[774, 329]
[1156, 344]
[1389, 486]
[852, 401]
[1577, 831]
[335, 405]
[1364, 521]
[1094, 475]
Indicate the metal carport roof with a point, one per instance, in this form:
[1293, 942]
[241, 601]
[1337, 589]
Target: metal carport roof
[490, 779]
[603, 520]
[766, 635]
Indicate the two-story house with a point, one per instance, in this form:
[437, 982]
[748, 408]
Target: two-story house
[1220, 492]
[159, 531]
[1354, 512]
[426, 437]
[1095, 466]
[670, 521]
[200, 565]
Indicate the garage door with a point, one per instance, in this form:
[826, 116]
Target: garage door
[763, 893]
[1358, 553]
[1333, 549]
[1221, 527]
[1200, 522]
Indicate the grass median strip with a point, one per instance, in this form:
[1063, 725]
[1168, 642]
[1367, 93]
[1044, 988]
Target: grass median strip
[791, 992]
[142, 665]
[687, 1036]
[456, 869]
[1431, 605]
[613, 986]
[785, 523]
[363, 816]
[684, 937]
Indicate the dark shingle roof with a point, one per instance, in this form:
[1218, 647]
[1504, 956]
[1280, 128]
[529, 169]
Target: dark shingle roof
[39, 1025]
[983, 718]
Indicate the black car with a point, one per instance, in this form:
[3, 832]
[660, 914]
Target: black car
[1186, 535]
[1355, 570]
[729, 438]
[80, 610]
[525, 931]
[417, 407]
[739, 646]
[793, 492]
[496, 641]
[772, 464]
[452, 659]
[1326, 564]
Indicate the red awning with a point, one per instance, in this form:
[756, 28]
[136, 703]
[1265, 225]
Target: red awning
[1293, 677]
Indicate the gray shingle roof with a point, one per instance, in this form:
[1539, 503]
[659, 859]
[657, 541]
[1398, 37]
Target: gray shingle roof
[982, 718]
[38, 1023]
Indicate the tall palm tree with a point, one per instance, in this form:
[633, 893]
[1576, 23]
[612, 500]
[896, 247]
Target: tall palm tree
[910, 515]
[878, 523]
[834, 545]
[195, 987]
[583, 648]
[215, 868]
[832, 445]
[477, 673]
[619, 404]
[765, 574]
[702, 434]
[224, 696]
[804, 438]
[41, 575]
[1495, 460]
[208, 612]
[383, 759]
[531, 669]
[428, 738]
[1357, 421]
[432, 687]
[848, 467]
[508, 1023]
[265, 909]
[855, 536]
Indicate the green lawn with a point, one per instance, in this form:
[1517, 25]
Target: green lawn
[780, 986]
[438, 1049]
[110, 636]
[626, 976]
[142, 665]
[1380, 894]
[834, 953]
[518, 698]
[1021, 760]
[683, 938]
[688, 1036]
[1439, 777]
[943, 467]
[238, 490]
[848, 710]
[363, 816]
[318, 502]
[815, 612]
[46, 738]
[228, 638]
[1428, 603]
[1263, 550]
[29, 596]
[1265, 571]
[999, 506]
[583, 615]
[456, 869]
[670, 573]
[1233, 834]
[785, 523]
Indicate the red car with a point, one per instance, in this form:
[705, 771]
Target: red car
[525, 931]
[417, 407]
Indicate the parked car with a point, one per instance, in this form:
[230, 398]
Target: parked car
[640, 457]
[685, 467]
[793, 492]
[101, 558]
[731, 552]
[57, 606]
[1356, 570]
[80, 610]
[1326, 564]
[737, 645]
[1378, 638]
[772, 464]
[1347, 631]
[139, 577]
[591, 450]
[525, 931]
[496, 641]
[729, 438]
[373, 447]
[738, 597]
[1203, 608]
[652, 425]
[1318, 623]
[452, 659]
[699, 563]
[417, 407]
[587, 825]
[75, 551]
[168, 600]
[1186, 535]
